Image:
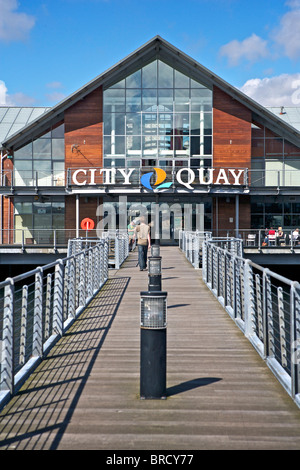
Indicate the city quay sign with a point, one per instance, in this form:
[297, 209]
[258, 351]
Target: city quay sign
[184, 176]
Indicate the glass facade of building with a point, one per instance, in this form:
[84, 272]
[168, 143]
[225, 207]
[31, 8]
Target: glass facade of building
[275, 160]
[157, 116]
[37, 218]
[275, 211]
[42, 161]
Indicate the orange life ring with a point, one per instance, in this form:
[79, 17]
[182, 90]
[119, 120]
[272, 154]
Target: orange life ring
[87, 224]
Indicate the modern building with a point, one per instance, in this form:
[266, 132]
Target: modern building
[156, 133]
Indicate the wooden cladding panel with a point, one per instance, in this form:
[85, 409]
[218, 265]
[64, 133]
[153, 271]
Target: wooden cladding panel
[83, 132]
[8, 208]
[7, 220]
[231, 132]
[224, 210]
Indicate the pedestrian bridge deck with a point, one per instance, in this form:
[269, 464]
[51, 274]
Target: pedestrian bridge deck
[85, 394]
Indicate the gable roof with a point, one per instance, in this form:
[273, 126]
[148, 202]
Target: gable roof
[160, 49]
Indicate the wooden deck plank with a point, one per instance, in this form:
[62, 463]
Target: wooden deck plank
[85, 395]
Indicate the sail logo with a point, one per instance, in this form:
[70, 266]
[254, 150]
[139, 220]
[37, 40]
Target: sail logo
[159, 183]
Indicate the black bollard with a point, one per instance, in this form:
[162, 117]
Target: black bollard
[153, 360]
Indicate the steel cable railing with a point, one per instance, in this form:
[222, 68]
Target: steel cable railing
[265, 306]
[37, 307]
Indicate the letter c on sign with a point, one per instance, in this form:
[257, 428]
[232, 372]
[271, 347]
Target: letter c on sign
[87, 224]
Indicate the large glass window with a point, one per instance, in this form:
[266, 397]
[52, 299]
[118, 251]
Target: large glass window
[275, 160]
[42, 161]
[157, 113]
[276, 211]
[37, 218]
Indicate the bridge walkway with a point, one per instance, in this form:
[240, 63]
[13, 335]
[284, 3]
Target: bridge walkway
[85, 394]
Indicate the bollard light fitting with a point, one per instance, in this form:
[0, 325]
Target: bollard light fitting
[155, 250]
[154, 310]
[154, 273]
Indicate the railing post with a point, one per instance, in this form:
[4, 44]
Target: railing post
[23, 325]
[268, 317]
[259, 304]
[37, 343]
[72, 288]
[234, 286]
[117, 249]
[58, 300]
[48, 306]
[295, 338]
[82, 280]
[7, 354]
[248, 298]
[90, 267]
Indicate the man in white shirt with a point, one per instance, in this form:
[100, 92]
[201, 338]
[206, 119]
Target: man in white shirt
[143, 242]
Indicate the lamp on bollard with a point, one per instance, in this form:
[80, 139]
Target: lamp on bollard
[155, 250]
[153, 345]
[154, 273]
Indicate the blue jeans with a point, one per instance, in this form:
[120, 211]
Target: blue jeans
[142, 251]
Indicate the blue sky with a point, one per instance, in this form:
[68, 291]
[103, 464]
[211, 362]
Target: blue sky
[50, 48]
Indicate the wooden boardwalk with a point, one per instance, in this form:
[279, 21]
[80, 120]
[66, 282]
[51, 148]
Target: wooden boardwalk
[85, 394]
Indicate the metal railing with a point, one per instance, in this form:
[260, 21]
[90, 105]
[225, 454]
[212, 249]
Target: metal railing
[36, 308]
[265, 305]
[260, 238]
[191, 244]
[255, 178]
[118, 246]
[51, 238]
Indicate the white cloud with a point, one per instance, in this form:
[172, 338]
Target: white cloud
[287, 34]
[3, 93]
[252, 49]
[14, 25]
[55, 97]
[15, 99]
[283, 90]
[284, 39]
[54, 85]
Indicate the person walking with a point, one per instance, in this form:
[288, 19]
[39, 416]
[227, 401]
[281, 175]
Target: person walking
[130, 229]
[143, 242]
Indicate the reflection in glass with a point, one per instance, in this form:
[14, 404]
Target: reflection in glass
[181, 80]
[165, 75]
[133, 124]
[114, 100]
[149, 100]
[160, 120]
[165, 99]
[149, 123]
[134, 80]
[42, 148]
[165, 123]
[149, 76]
[133, 100]
[24, 152]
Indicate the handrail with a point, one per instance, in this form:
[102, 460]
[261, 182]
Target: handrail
[263, 304]
[118, 242]
[37, 307]
[252, 178]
